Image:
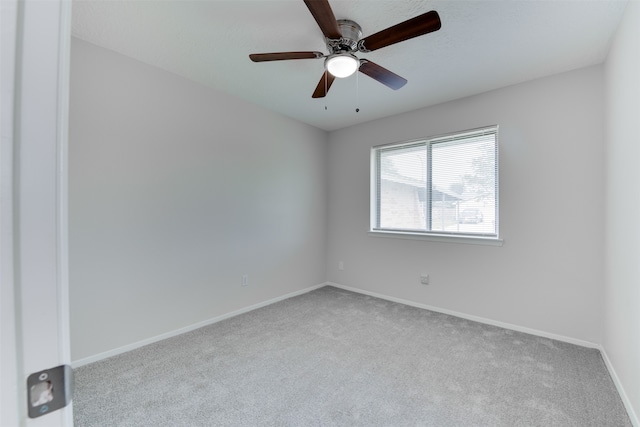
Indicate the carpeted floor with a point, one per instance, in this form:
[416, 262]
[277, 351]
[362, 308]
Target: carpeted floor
[337, 358]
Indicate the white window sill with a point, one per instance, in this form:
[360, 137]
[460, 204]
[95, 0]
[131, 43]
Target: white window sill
[467, 240]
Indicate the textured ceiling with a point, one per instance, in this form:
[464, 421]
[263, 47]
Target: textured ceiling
[482, 45]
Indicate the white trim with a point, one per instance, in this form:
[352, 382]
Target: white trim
[133, 346]
[612, 372]
[479, 319]
[623, 395]
[62, 187]
[626, 401]
[444, 136]
[9, 365]
[40, 116]
[467, 240]
[62, 196]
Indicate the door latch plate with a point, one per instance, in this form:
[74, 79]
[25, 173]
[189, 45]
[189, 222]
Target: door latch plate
[49, 390]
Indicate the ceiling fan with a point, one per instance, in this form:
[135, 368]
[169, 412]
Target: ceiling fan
[343, 39]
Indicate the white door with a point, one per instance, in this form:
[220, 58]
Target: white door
[33, 207]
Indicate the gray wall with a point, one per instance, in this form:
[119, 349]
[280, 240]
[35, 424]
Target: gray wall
[176, 191]
[548, 274]
[622, 284]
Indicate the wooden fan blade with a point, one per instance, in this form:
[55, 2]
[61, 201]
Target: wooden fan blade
[280, 56]
[382, 75]
[322, 13]
[414, 27]
[324, 85]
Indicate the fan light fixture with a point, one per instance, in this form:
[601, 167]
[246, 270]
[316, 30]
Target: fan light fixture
[342, 64]
[343, 38]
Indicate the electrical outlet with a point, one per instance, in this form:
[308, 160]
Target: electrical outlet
[340, 265]
[424, 279]
[245, 280]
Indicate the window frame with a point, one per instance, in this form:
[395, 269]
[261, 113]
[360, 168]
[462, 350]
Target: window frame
[431, 235]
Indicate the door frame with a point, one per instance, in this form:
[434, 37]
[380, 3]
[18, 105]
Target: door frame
[34, 300]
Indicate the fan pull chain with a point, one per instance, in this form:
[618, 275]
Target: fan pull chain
[357, 92]
[326, 77]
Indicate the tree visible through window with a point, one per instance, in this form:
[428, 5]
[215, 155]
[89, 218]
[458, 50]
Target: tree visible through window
[441, 185]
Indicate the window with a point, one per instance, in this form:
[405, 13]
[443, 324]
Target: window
[444, 185]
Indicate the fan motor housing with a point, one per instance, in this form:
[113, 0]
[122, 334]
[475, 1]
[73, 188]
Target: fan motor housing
[351, 33]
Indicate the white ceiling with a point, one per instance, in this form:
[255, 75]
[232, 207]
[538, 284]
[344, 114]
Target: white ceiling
[482, 45]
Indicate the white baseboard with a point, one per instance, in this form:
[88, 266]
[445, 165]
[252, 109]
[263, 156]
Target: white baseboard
[133, 346]
[625, 399]
[623, 395]
[478, 319]
[605, 357]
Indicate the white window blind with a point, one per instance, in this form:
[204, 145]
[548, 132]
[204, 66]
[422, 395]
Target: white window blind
[445, 185]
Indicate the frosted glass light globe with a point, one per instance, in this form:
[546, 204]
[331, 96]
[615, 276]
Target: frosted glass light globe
[342, 65]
